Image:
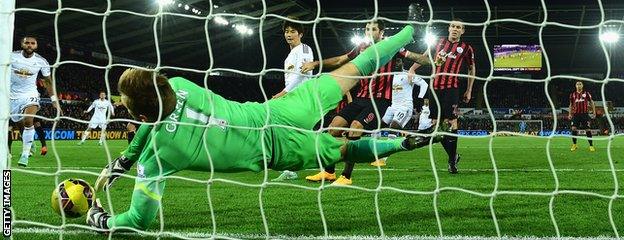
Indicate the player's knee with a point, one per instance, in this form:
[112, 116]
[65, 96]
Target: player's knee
[356, 124]
[28, 122]
[335, 132]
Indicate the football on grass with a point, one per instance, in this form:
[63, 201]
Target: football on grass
[74, 197]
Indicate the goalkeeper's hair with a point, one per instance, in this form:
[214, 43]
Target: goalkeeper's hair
[293, 25]
[141, 97]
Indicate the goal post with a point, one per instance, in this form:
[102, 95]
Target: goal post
[7, 18]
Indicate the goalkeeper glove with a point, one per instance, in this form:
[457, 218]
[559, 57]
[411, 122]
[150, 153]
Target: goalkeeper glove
[97, 217]
[111, 172]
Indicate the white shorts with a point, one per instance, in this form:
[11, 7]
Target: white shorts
[19, 104]
[94, 125]
[399, 114]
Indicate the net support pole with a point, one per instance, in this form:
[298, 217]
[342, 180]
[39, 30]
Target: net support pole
[7, 17]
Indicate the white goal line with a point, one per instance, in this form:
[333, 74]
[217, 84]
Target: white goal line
[205, 235]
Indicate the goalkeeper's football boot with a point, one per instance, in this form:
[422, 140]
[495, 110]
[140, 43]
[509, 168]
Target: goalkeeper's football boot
[23, 161]
[322, 175]
[592, 149]
[573, 148]
[379, 163]
[415, 14]
[44, 150]
[342, 181]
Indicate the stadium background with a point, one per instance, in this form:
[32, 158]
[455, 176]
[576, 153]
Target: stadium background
[182, 44]
[527, 182]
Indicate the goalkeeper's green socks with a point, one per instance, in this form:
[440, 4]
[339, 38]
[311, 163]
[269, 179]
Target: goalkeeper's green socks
[363, 150]
[366, 62]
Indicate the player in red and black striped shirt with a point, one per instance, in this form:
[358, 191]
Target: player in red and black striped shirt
[451, 55]
[360, 114]
[580, 103]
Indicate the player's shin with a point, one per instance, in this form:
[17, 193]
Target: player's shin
[27, 138]
[384, 50]
[10, 141]
[41, 135]
[363, 150]
[85, 134]
[588, 133]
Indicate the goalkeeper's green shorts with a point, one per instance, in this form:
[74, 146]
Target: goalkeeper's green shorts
[303, 108]
[307, 104]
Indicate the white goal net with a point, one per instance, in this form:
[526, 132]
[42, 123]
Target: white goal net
[212, 198]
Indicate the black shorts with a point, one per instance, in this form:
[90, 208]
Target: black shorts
[361, 109]
[581, 120]
[449, 101]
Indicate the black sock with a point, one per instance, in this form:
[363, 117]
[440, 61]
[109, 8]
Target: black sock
[10, 140]
[589, 135]
[41, 135]
[450, 146]
[130, 137]
[330, 169]
[348, 170]
[574, 133]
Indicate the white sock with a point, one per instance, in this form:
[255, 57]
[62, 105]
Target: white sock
[27, 139]
[102, 135]
[84, 135]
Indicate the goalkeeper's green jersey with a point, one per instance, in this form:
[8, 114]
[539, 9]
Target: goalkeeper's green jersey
[204, 127]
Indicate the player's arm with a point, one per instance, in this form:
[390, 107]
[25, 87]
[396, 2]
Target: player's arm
[122, 164]
[592, 104]
[47, 83]
[422, 87]
[90, 107]
[330, 63]
[112, 109]
[471, 73]
[421, 59]
[571, 105]
[146, 198]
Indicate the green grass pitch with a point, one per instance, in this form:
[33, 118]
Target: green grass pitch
[528, 59]
[405, 200]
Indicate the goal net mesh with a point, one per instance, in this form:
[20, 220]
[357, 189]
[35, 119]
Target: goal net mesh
[32, 225]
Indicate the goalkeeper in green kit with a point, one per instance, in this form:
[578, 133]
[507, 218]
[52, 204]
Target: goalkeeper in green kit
[200, 130]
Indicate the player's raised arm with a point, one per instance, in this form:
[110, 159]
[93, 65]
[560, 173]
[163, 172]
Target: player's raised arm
[421, 59]
[329, 63]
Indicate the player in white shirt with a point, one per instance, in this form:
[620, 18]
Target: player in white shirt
[24, 97]
[98, 120]
[300, 53]
[400, 112]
